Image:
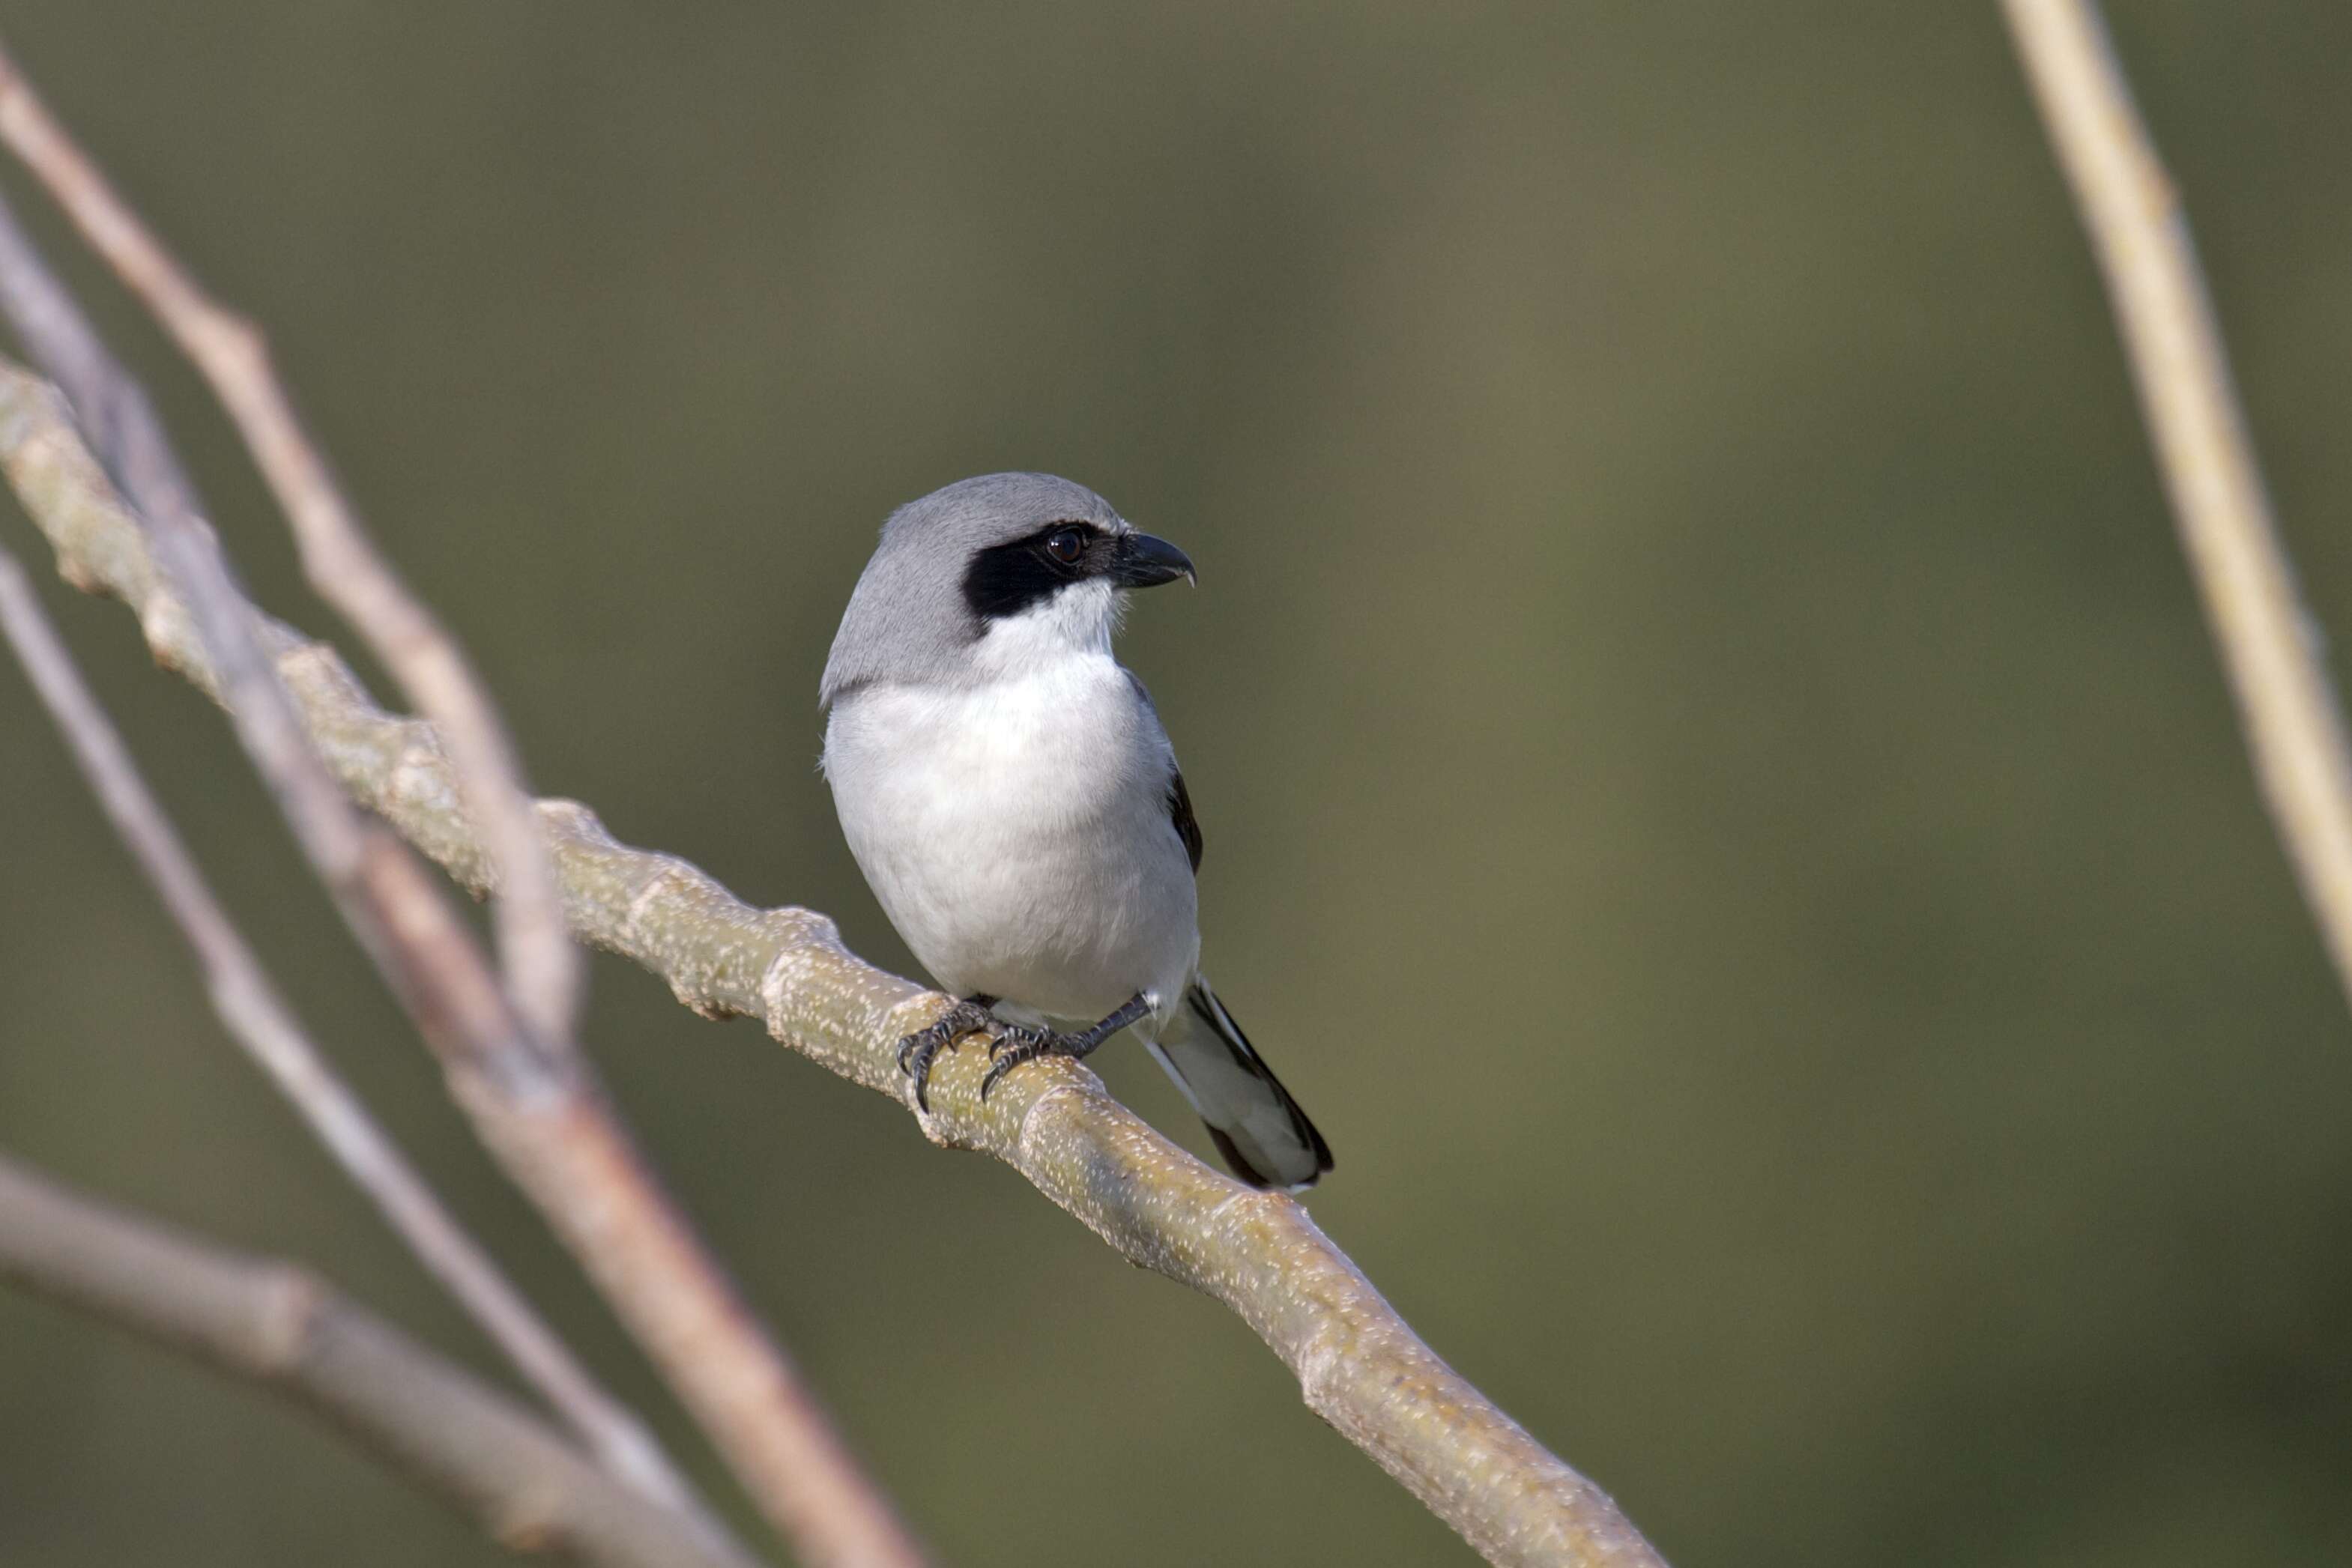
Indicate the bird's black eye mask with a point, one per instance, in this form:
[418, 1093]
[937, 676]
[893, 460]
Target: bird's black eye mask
[1005, 579]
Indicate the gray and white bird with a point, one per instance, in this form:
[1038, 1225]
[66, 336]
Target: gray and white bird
[1009, 792]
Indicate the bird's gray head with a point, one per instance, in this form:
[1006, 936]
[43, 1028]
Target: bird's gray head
[987, 575]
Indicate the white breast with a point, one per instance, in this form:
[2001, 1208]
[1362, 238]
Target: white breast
[1017, 834]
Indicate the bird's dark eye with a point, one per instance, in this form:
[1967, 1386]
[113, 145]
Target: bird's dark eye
[1067, 545]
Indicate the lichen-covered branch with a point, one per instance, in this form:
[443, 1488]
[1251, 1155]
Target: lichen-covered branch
[535, 1101]
[260, 1020]
[279, 1325]
[1361, 1366]
[541, 966]
[2294, 727]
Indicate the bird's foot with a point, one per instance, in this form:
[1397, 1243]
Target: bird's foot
[917, 1050]
[1015, 1044]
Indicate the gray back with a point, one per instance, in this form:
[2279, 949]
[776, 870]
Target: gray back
[907, 620]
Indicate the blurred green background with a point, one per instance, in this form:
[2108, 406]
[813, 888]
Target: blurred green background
[1718, 795]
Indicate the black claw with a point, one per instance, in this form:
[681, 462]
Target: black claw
[1015, 1046]
[917, 1051]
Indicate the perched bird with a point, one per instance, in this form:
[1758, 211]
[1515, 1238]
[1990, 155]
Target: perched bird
[1015, 805]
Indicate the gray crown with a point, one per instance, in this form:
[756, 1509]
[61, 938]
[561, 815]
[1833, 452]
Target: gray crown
[907, 620]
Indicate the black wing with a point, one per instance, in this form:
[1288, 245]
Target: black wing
[1179, 800]
[1179, 811]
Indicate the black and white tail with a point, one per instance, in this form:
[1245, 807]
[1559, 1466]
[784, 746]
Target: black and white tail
[1259, 1128]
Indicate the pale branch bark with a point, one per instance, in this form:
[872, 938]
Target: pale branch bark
[540, 1111]
[1361, 1366]
[260, 1020]
[278, 1325]
[2269, 643]
[542, 968]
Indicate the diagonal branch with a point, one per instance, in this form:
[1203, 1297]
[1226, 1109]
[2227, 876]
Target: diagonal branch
[260, 1020]
[1361, 1366]
[278, 1325]
[541, 965]
[2269, 646]
[537, 1107]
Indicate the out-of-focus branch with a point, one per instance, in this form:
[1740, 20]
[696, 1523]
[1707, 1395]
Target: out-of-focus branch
[1361, 1366]
[260, 1020]
[277, 1324]
[342, 561]
[2294, 727]
[540, 1111]
[508, 1049]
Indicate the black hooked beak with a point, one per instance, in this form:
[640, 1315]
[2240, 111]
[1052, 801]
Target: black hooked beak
[1139, 560]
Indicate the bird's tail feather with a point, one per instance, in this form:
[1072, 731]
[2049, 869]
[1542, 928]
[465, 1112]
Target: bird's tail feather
[1259, 1127]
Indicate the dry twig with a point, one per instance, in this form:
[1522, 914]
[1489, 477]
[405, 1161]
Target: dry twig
[342, 561]
[274, 1324]
[1361, 1366]
[2137, 228]
[539, 1111]
[260, 1020]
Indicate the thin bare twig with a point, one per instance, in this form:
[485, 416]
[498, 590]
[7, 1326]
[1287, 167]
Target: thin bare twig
[2294, 727]
[1361, 1366]
[512, 1061]
[276, 1323]
[382, 896]
[542, 968]
[260, 1020]
[539, 1111]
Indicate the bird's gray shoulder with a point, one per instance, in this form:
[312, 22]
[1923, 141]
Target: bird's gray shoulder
[1179, 798]
[1142, 693]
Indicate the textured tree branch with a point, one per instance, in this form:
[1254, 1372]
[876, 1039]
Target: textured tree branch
[2294, 727]
[538, 1107]
[260, 1020]
[277, 1324]
[1361, 1367]
[541, 965]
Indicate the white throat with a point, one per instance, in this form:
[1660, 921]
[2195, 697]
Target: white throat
[1074, 623]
